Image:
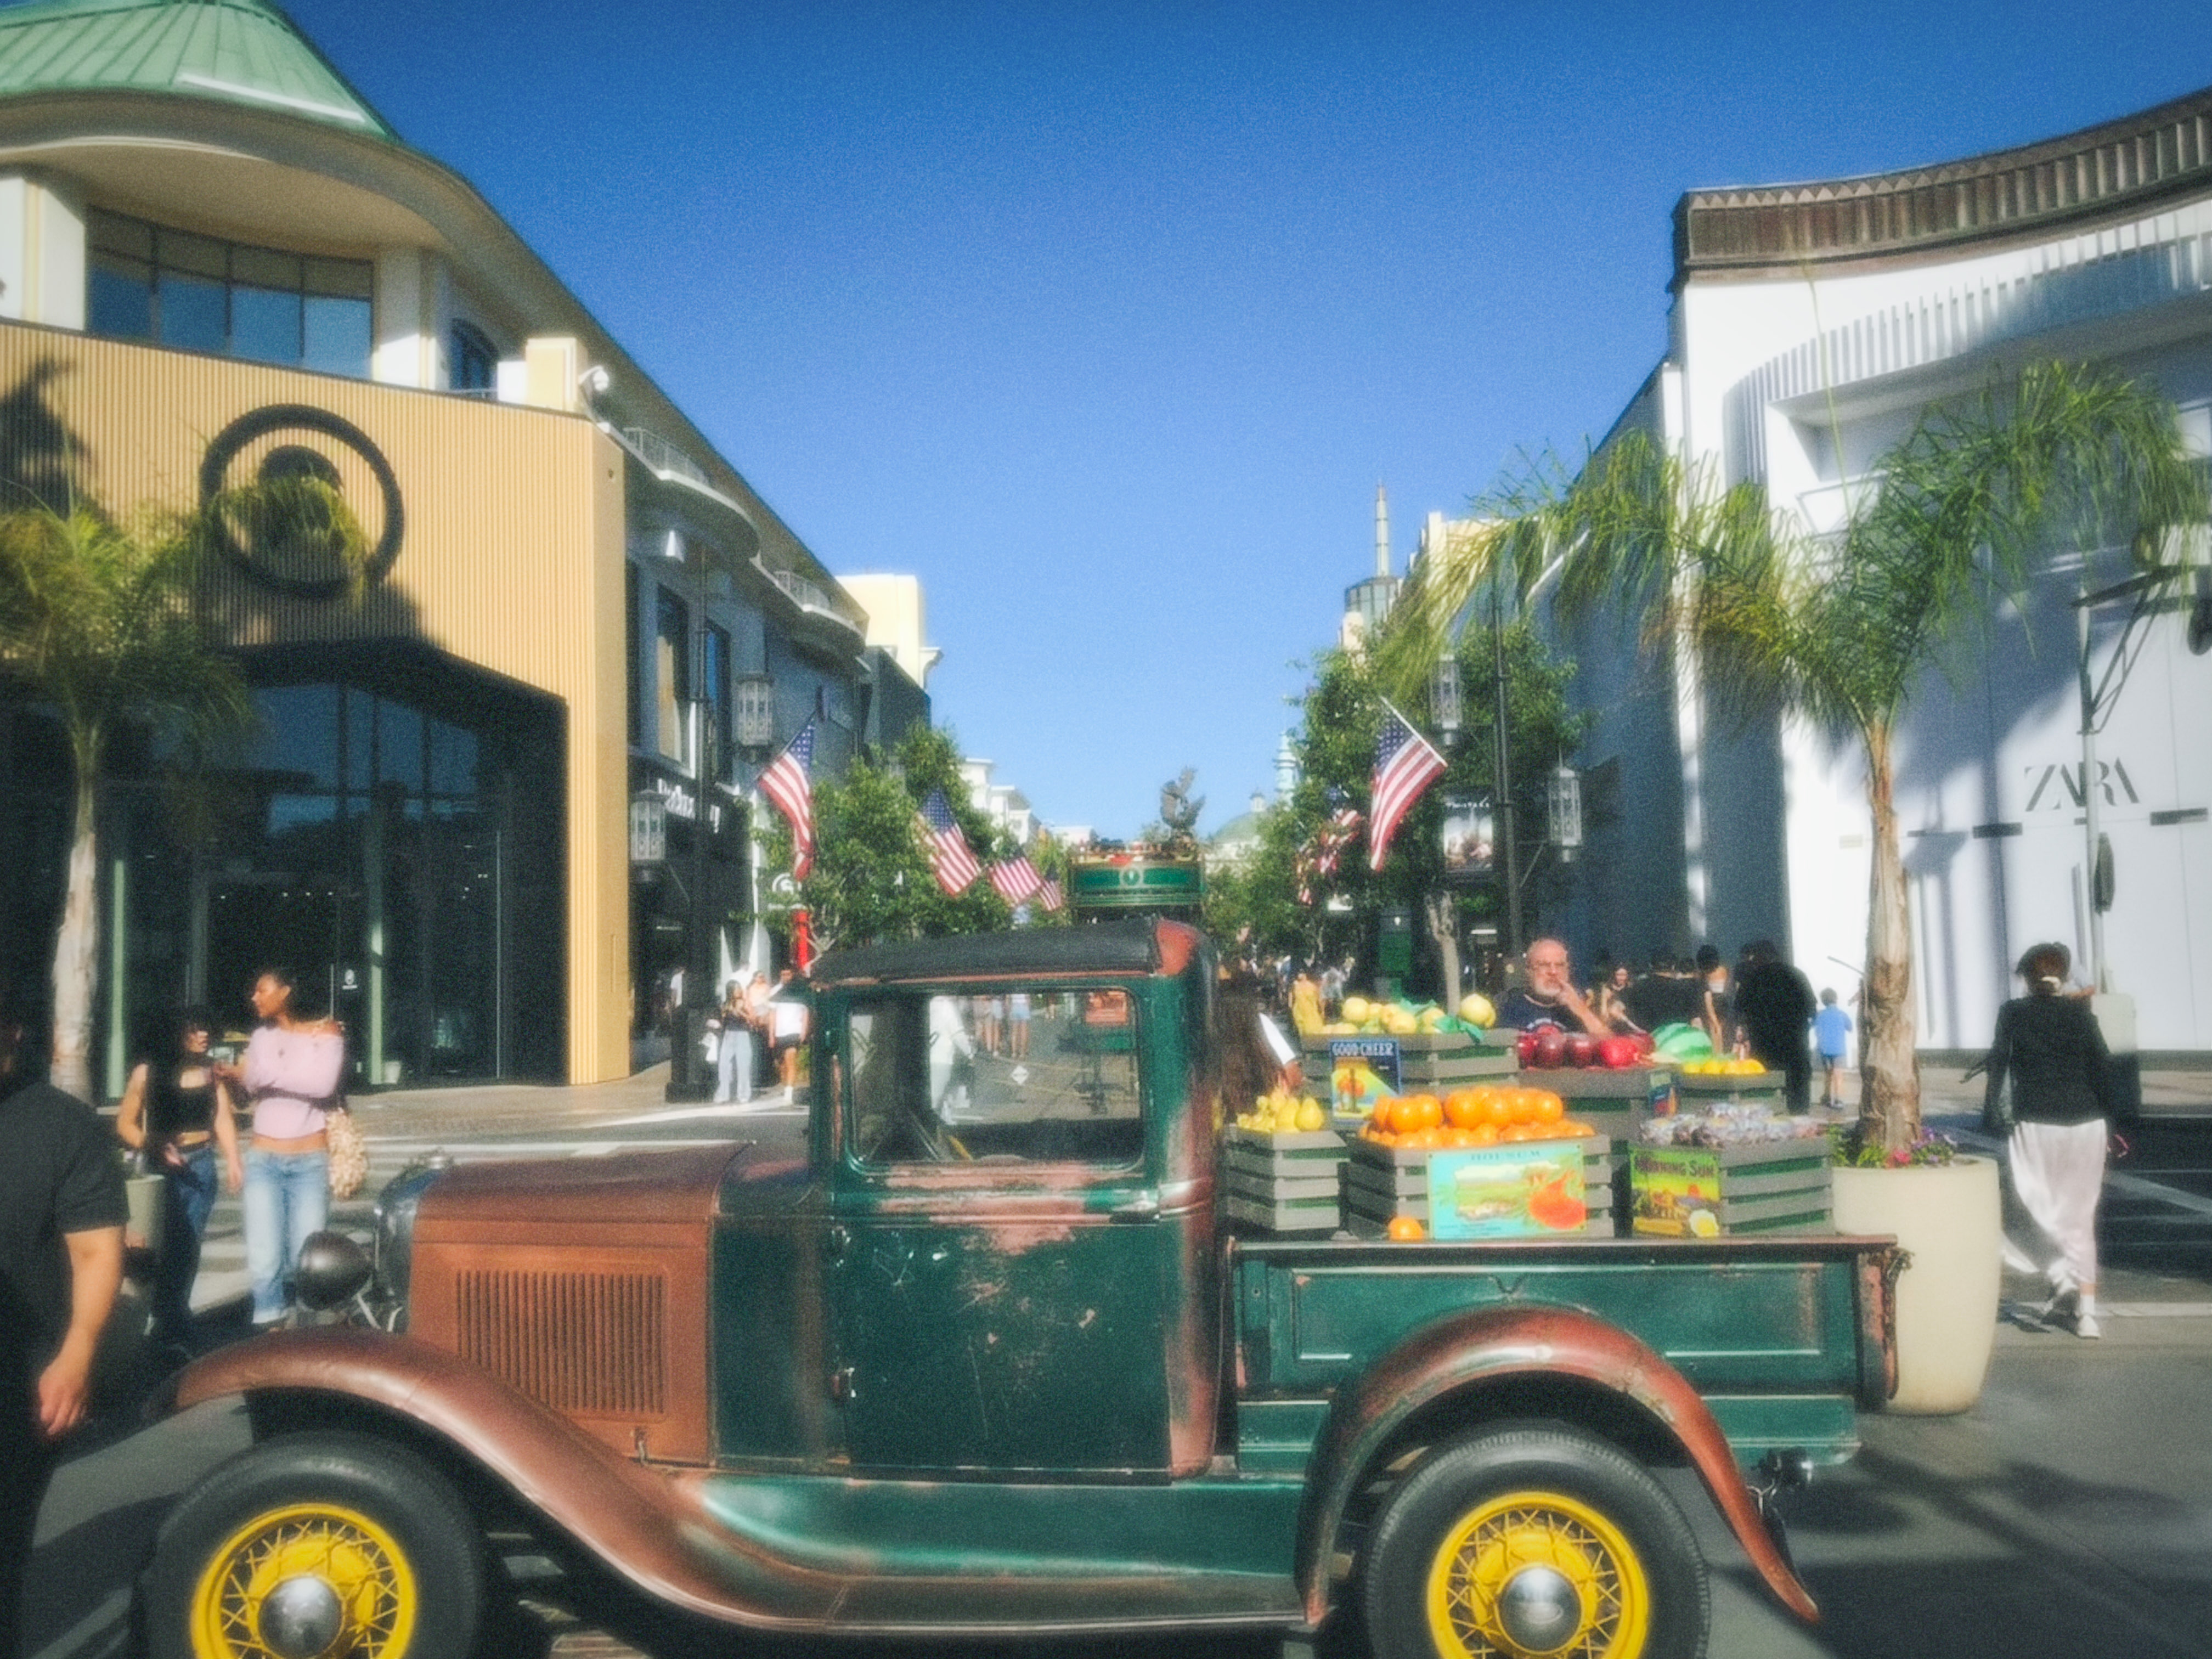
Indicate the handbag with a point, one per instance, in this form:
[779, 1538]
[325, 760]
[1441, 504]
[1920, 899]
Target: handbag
[348, 1152]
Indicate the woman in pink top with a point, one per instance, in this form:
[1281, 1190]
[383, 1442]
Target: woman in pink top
[289, 1077]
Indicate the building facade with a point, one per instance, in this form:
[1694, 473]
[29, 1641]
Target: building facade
[218, 265]
[1811, 326]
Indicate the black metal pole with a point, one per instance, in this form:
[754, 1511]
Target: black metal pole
[1507, 840]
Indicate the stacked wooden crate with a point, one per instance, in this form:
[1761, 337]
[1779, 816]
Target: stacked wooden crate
[1704, 1192]
[1283, 1183]
[1381, 1183]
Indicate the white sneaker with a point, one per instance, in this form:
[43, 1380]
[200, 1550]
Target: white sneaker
[2086, 1325]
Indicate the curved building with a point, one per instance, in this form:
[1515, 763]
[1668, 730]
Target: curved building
[218, 264]
[1811, 326]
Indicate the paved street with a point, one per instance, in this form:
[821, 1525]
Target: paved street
[2071, 1511]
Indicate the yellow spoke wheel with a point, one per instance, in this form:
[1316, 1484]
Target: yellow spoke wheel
[303, 1582]
[1537, 1573]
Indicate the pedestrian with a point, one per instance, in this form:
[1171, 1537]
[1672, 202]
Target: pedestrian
[2049, 1047]
[951, 1058]
[1715, 1010]
[1611, 1000]
[290, 1076]
[1774, 1006]
[62, 1213]
[1333, 978]
[1832, 1031]
[733, 1046]
[1305, 1004]
[1018, 1024]
[178, 1113]
[786, 1025]
[1549, 998]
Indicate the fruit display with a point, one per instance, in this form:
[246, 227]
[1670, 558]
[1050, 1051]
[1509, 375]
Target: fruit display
[1546, 1047]
[1719, 1066]
[1483, 1116]
[1729, 1123]
[1360, 1016]
[1279, 1112]
[1739, 1180]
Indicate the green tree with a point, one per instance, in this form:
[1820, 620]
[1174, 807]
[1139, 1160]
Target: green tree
[1844, 629]
[872, 878]
[1342, 717]
[98, 627]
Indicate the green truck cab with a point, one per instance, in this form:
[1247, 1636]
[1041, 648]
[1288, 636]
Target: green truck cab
[987, 1360]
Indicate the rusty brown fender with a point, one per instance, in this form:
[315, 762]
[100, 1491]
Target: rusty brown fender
[1488, 1344]
[647, 1527]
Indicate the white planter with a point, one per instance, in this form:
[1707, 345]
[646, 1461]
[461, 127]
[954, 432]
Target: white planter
[1948, 1216]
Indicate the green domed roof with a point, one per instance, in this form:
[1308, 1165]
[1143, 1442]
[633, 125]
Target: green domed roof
[246, 53]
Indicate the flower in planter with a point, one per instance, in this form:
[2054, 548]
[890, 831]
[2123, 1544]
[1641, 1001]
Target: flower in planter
[1858, 1146]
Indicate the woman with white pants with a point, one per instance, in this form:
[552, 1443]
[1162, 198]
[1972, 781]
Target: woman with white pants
[733, 1053]
[2050, 1046]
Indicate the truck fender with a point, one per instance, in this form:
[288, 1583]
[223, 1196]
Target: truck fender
[646, 1526]
[1489, 1344]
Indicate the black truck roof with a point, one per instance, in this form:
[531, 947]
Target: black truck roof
[1106, 947]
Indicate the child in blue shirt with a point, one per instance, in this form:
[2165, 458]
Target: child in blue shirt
[1832, 1028]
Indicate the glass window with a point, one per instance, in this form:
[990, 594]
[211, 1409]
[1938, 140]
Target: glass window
[474, 365]
[400, 746]
[1009, 1074]
[147, 281]
[671, 669]
[300, 733]
[452, 760]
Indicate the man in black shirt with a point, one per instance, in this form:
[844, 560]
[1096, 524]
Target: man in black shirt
[1550, 997]
[61, 1260]
[1774, 1002]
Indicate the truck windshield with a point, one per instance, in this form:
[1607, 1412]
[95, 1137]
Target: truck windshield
[1003, 1075]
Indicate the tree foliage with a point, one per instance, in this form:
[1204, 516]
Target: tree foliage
[872, 878]
[1342, 718]
[1841, 628]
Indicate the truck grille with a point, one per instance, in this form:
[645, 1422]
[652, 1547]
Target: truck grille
[580, 1342]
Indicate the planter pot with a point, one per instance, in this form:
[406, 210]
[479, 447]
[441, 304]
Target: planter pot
[1947, 1217]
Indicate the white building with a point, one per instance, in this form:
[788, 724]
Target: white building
[1802, 313]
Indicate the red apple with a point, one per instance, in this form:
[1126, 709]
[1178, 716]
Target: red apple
[1525, 1045]
[1582, 1048]
[1619, 1053]
[1551, 1048]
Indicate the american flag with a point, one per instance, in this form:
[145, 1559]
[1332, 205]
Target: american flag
[1017, 879]
[1318, 859]
[1406, 763]
[949, 854]
[1050, 896]
[786, 785]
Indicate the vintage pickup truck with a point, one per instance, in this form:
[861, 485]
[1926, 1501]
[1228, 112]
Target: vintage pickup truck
[986, 1359]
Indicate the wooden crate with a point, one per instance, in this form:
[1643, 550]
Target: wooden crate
[1383, 1182]
[1700, 1089]
[1760, 1187]
[1283, 1183]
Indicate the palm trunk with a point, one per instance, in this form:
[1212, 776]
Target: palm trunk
[1442, 921]
[76, 945]
[1889, 1066]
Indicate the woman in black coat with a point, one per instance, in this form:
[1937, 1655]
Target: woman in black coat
[2050, 1048]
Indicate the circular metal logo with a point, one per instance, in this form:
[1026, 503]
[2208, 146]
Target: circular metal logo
[297, 546]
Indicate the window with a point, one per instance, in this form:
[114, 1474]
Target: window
[1009, 1075]
[147, 281]
[672, 677]
[475, 360]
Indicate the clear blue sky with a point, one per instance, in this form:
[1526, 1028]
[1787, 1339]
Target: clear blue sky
[1106, 319]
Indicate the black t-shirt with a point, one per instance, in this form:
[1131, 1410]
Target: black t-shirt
[1525, 1011]
[59, 1174]
[1658, 1000]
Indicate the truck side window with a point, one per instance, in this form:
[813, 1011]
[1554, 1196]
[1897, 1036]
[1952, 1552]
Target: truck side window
[1001, 1074]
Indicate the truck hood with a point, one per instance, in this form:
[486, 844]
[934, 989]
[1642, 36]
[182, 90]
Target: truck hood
[624, 1189]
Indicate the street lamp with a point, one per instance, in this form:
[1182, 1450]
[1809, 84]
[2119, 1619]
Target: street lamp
[1445, 701]
[1562, 798]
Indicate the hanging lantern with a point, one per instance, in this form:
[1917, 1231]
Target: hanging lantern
[755, 711]
[1444, 697]
[1563, 794]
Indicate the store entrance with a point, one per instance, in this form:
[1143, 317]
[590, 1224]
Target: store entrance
[266, 919]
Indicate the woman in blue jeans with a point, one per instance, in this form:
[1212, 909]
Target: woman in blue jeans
[179, 1111]
[290, 1074]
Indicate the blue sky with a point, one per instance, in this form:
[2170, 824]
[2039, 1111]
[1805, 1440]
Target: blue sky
[1106, 319]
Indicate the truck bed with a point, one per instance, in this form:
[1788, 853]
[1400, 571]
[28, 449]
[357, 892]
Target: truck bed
[1781, 1334]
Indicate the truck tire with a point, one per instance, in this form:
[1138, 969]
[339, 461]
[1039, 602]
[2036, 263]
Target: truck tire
[317, 1543]
[1534, 1541]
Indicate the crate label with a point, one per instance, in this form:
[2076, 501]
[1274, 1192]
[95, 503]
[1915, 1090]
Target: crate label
[1677, 1192]
[1361, 1071]
[1531, 1188]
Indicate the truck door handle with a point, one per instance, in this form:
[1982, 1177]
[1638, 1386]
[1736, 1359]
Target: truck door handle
[1145, 1207]
[839, 1241]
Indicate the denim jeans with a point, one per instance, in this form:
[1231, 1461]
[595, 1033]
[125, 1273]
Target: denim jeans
[189, 1196]
[734, 1064]
[287, 1196]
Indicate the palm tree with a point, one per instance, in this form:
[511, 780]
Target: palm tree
[98, 625]
[1841, 629]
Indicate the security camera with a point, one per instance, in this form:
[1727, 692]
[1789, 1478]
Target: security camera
[594, 381]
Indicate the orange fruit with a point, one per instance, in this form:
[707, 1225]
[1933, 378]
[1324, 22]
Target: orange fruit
[1522, 1132]
[1520, 1106]
[1428, 1111]
[1463, 1108]
[1496, 1107]
[1549, 1107]
[1405, 1227]
[1380, 1117]
[1484, 1136]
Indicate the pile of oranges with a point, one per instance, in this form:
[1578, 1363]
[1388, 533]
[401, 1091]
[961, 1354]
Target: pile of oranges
[1482, 1117]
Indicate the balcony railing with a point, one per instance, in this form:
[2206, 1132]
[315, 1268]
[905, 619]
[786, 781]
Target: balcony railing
[662, 456]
